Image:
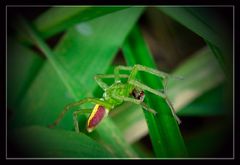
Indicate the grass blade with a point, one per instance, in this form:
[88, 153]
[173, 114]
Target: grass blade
[134, 126]
[219, 56]
[163, 129]
[36, 141]
[209, 104]
[209, 26]
[30, 63]
[47, 96]
[201, 73]
[58, 19]
[192, 19]
[62, 73]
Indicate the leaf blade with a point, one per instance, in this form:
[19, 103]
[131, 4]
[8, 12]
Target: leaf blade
[208, 25]
[42, 99]
[164, 132]
[30, 64]
[57, 19]
[41, 142]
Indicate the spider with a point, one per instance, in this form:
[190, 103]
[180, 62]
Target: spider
[116, 94]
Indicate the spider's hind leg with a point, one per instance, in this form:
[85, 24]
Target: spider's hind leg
[75, 117]
[147, 108]
[75, 104]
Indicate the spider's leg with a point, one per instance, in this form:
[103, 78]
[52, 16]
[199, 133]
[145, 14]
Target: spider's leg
[156, 92]
[128, 99]
[144, 105]
[102, 84]
[164, 76]
[98, 78]
[83, 101]
[147, 88]
[75, 115]
[135, 101]
[118, 68]
[138, 68]
[132, 80]
[172, 110]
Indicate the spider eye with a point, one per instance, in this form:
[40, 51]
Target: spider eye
[138, 94]
[141, 96]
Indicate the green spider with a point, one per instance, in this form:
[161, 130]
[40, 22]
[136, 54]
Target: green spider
[116, 94]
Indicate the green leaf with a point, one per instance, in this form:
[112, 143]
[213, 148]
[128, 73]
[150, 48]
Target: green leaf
[196, 21]
[75, 55]
[19, 80]
[219, 56]
[41, 142]
[208, 25]
[58, 19]
[134, 126]
[211, 103]
[163, 129]
[143, 150]
[200, 74]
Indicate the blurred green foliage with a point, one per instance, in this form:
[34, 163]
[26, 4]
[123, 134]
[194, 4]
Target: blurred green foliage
[43, 76]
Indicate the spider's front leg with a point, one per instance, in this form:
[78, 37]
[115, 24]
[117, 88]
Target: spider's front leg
[164, 76]
[116, 76]
[75, 117]
[98, 78]
[118, 68]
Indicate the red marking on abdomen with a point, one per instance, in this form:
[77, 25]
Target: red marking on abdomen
[98, 116]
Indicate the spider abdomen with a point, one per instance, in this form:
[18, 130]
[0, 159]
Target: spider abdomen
[97, 115]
